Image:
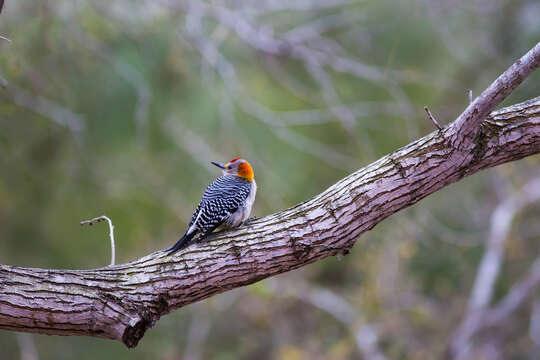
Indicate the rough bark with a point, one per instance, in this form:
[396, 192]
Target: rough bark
[122, 301]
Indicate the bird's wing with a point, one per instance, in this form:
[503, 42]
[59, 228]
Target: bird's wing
[212, 191]
[195, 214]
[227, 188]
[221, 199]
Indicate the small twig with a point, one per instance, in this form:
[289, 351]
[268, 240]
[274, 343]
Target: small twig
[470, 96]
[432, 118]
[5, 38]
[111, 231]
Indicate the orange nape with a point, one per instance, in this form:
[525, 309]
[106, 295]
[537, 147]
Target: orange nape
[245, 171]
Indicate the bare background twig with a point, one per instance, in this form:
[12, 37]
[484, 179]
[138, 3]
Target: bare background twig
[111, 233]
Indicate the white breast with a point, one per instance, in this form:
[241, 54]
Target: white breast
[250, 200]
[242, 214]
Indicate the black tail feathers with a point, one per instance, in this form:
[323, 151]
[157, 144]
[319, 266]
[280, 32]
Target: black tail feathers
[182, 243]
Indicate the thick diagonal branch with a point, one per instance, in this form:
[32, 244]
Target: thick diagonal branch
[121, 302]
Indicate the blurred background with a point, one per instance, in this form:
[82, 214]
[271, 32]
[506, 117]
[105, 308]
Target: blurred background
[117, 108]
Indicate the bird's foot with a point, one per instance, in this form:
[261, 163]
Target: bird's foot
[250, 220]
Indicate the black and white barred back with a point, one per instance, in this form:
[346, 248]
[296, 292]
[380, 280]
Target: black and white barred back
[222, 198]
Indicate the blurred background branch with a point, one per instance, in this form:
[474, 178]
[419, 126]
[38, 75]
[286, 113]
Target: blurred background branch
[479, 313]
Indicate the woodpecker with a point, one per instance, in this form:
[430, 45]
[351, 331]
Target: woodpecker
[227, 201]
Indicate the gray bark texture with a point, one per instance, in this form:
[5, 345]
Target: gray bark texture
[122, 301]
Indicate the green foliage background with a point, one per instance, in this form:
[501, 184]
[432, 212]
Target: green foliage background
[72, 147]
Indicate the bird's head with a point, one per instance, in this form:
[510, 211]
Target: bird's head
[237, 167]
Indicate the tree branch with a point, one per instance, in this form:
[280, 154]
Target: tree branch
[468, 122]
[121, 302]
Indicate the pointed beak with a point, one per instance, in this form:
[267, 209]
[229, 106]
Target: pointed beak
[219, 165]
